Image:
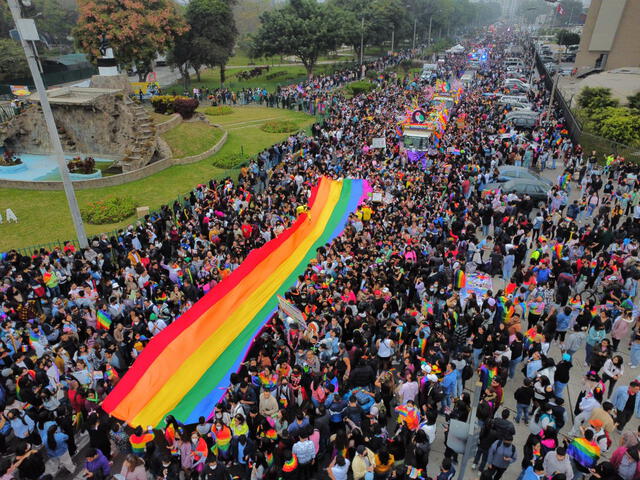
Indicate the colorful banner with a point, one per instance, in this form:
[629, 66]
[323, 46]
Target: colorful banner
[184, 370]
[19, 90]
[288, 309]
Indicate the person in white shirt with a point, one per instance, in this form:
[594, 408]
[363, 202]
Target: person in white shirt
[155, 324]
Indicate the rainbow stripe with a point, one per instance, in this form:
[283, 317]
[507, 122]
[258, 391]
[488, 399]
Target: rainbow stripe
[558, 250]
[487, 375]
[290, 465]
[410, 416]
[103, 320]
[461, 279]
[222, 440]
[585, 453]
[185, 369]
[139, 443]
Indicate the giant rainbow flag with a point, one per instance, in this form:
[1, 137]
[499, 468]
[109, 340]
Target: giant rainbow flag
[184, 370]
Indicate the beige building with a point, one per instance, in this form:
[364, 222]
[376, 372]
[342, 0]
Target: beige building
[611, 36]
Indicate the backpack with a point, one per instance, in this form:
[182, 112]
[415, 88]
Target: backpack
[467, 372]
[606, 435]
[513, 448]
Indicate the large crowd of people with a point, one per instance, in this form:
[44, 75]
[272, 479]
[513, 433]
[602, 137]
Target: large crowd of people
[393, 342]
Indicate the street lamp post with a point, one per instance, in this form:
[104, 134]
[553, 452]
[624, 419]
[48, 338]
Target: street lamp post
[28, 34]
[415, 25]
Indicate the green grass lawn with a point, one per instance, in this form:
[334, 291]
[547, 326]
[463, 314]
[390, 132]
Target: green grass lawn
[191, 138]
[44, 216]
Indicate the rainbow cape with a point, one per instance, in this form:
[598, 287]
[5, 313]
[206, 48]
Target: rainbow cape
[461, 279]
[184, 370]
[487, 375]
[409, 416]
[222, 440]
[103, 320]
[584, 453]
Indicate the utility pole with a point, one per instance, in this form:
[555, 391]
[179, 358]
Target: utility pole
[393, 37]
[28, 34]
[430, 20]
[415, 25]
[362, 49]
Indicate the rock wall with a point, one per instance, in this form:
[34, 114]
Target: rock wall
[111, 125]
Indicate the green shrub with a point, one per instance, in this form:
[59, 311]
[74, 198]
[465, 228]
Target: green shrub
[230, 160]
[110, 210]
[219, 110]
[280, 126]
[163, 103]
[356, 88]
[371, 74]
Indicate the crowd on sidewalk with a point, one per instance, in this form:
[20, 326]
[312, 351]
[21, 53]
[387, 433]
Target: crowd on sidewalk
[392, 340]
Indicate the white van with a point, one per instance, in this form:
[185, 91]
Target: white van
[512, 99]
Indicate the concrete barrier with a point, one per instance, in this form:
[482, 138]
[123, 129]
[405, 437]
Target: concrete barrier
[174, 121]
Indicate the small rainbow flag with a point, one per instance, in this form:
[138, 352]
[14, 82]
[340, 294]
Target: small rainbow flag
[111, 373]
[627, 304]
[427, 308]
[290, 465]
[461, 279]
[103, 320]
[33, 337]
[409, 416]
[423, 345]
[487, 375]
[510, 288]
[558, 249]
[269, 458]
[583, 452]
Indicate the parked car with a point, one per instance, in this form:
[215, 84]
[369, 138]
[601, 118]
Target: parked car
[523, 119]
[512, 83]
[511, 172]
[536, 189]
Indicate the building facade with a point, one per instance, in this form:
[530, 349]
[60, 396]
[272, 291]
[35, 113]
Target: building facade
[611, 36]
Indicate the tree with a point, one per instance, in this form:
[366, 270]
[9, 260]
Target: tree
[596, 98]
[634, 101]
[373, 21]
[13, 63]
[184, 57]
[567, 38]
[56, 20]
[618, 124]
[137, 30]
[213, 33]
[304, 28]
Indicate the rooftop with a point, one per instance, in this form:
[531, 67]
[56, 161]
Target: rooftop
[74, 95]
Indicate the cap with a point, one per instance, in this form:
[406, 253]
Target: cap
[596, 423]
[566, 357]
